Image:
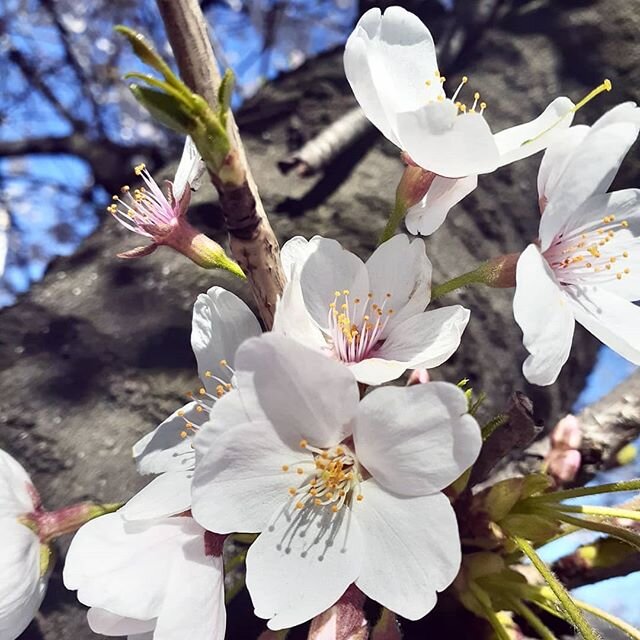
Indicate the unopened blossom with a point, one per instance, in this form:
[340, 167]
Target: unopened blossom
[23, 579]
[161, 217]
[370, 315]
[586, 265]
[390, 62]
[158, 579]
[342, 491]
[221, 322]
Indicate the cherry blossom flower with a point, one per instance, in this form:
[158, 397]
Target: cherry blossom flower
[24, 579]
[161, 217]
[158, 578]
[371, 315]
[585, 267]
[390, 63]
[341, 491]
[221, 322]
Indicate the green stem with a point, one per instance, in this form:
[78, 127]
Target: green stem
[611, 619]
[464, 280]
[611, 487]
[399, 209]
[611, 512]
[501, 631]
[534, 621]
[572, 611]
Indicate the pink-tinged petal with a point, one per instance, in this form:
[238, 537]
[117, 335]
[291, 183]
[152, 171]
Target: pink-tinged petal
[451, 145]
[554, 162]
[221, 323]
[416, 440]
[543, 312]
[427, 339]
[16, 489]
[165, 448]
[167, 495]
[330, 268]
[240, 481]
[610, 318]
[302, 563]
[122, 567]
[194, 602]
[302, 393]
[21, 587]
[374, 371]
[138, 252]
[110, 624]
[400, 267]
[411, 549]
[529, 138]
[592, 167]
[427, 216]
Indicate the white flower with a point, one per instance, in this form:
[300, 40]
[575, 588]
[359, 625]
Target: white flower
[586, 267]
[22, 586]
[343, 491]
[221, 322]
[371, 315]
[390, 62]
[153, 578]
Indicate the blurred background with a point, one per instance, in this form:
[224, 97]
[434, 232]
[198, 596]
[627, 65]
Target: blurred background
[95, 351]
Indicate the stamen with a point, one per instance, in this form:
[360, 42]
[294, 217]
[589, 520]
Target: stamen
[464, 81]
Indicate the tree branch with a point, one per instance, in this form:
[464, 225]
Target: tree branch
[252, 240]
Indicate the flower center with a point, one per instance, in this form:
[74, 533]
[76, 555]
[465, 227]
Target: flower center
[205, 400]
[146, 210]
[593, 251]
[330, 478]
[440, 97]
[356, 327]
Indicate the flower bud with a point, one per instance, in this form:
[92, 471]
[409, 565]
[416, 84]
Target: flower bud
[499, 272]
[345, 619]
[418, 376]
[413, 185]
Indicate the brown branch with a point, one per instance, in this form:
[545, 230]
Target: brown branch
[252, 240]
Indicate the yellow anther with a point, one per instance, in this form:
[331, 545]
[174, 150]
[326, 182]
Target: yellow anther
[619, 276]
[476, 96]
[465, 79]
[285, 467]
[317, 502]
[360, 497]
[440, 98]
[199, 409]
[607, 266]
[625, 254]
[207, 374]
[345, 292]
[189, 425]
[183, 434]
[335, 508]
[223, 363]
[181, 413]
[627, 270]
[624, 224]
[139, 169]
[339, 451]
[336, 294]
[313, 492]
[299, 471]
[115, 198]
[303, 444]
[428, 83]
[329, 495]
[299, 505]
[292, 491]
[125, 188]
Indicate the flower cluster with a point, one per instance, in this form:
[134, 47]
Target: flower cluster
[294, 462]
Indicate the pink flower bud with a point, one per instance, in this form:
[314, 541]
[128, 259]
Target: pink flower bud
[344, 621]
[418, 376]
[413, 185]
[567, 433]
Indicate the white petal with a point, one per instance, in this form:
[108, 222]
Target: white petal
[167, 495]
[15, 484]
[411, 549]
[592, 166]
[21, 588]
[293, 254]
[240, 482]
[427, 339]
[292, 319]
[544, 314]
[555, 159]
[624, 112]
[122, 567]
[451, 145]
[374, 371]
[444, 193]
[194, 602]
[388, 59]
[190, 170]
[400, 267]
[526, 139]
[416, 440]
[610, 318]
[301, 392]
[302, 563]
[330, 268]
[164, 449]
[110, 624]
[221, 322]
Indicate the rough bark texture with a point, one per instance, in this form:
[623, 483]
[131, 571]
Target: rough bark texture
[98, 353]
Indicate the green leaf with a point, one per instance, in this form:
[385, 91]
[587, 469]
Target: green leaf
[166, 108]
[225, 92]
